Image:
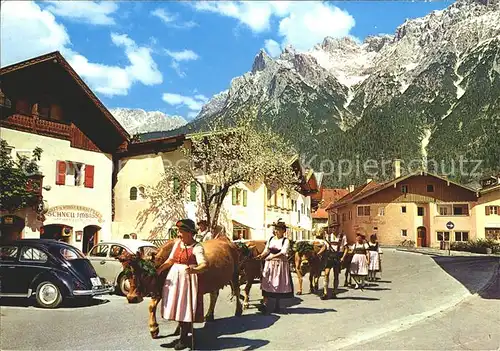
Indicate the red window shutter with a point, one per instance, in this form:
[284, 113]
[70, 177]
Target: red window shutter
[487, 210]
[89, 176]
[60, 172]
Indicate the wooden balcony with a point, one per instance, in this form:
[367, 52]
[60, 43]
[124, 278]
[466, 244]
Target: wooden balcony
[37, 125]
[55, 129]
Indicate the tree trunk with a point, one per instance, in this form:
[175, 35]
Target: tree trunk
[218, 206]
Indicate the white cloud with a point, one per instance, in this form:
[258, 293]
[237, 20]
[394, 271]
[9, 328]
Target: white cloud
[178, 56]
[254, 14]
[184, 55]
[177, 68]
[93, 12]
[301, 23]
[193, 103]
[171, 20]
[272, 47]
[28, 31]
[39, 33]
[308, 24]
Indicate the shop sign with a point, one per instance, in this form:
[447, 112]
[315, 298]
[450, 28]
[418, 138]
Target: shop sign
[74, 213]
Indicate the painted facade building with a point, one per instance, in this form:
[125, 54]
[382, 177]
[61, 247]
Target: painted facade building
[52, 108]
[421, 207]
[247, 212]
[488, 209]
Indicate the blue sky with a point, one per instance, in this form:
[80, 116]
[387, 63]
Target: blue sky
[173, 56]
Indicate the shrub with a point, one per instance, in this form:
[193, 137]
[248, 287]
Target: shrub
[476, 246]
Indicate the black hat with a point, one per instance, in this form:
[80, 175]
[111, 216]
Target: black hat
[187, 225]
[280, 225]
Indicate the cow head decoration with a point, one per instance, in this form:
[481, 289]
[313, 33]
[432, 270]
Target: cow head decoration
[141, 275]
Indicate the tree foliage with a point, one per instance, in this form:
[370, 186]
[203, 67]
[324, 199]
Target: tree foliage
[17, 190]
[216, 161]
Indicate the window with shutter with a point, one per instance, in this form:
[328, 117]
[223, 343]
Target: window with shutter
[60, 172]
[192, 191]
[233, 193]
[89, 176]
[244, 198]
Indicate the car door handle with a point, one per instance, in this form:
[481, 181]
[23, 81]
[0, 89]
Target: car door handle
[103, 262]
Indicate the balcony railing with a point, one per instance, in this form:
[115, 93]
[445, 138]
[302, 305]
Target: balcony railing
[37, 125]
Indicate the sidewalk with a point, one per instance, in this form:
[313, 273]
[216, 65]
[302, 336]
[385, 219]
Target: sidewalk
[437, 252]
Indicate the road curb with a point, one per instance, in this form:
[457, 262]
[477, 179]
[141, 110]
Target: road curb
[408, 322]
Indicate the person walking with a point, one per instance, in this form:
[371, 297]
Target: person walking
[374, 266]
[276, 279]
[182, 297]
[360, 261]
[205, 233]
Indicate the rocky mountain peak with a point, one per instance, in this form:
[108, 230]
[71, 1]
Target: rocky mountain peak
[261, 62]
[377, 42]
[330, 44]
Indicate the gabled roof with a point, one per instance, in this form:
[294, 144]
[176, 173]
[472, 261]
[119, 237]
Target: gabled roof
[353, 195]
[365, 191]
[56, 57]
[329, 197]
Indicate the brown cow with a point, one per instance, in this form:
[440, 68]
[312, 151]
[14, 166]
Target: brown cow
[222, 258]
[308, 262]
[251, 268]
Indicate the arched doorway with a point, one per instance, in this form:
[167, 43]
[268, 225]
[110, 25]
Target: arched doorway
[11, 228]
[421, 237]
[57, 232]
[90, 237]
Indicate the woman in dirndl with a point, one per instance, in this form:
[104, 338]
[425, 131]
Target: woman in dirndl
[360, 262]
[374, 251]
[182, 296]
[276, 279]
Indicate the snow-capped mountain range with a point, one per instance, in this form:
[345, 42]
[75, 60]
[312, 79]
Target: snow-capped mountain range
[431, 90]
[139, 121]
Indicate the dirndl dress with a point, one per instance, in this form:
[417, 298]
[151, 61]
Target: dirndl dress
[276, 281]
[176, 303]
[374, 257]
[359, 263]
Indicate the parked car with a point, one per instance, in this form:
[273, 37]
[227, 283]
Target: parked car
[103, 257]
[51, 270]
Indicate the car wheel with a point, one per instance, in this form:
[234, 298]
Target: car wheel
[48, 295]
[123, 285]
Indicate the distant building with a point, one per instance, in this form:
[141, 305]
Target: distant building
[327, 197]
[421, 207]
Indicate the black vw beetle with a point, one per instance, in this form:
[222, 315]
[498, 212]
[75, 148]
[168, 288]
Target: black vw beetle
[49, 269]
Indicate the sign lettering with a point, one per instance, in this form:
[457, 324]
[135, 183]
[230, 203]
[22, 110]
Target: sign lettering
[74, 213]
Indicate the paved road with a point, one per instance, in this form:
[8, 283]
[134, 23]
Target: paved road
[413, 287]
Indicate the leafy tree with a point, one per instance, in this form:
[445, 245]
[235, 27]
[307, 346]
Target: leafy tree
[17, 188]
[214, 162]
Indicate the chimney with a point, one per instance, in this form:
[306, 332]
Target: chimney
[351, 188]
[397, 168]
[368, 180]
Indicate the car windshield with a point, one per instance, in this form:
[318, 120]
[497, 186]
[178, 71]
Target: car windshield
[148, 250]
[71, 253]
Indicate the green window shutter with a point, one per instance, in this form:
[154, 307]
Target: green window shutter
[192, 191]
[233, 191]
[244, 198]
[176, 185]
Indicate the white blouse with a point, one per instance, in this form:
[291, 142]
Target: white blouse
[279, 244]
[198, 251]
